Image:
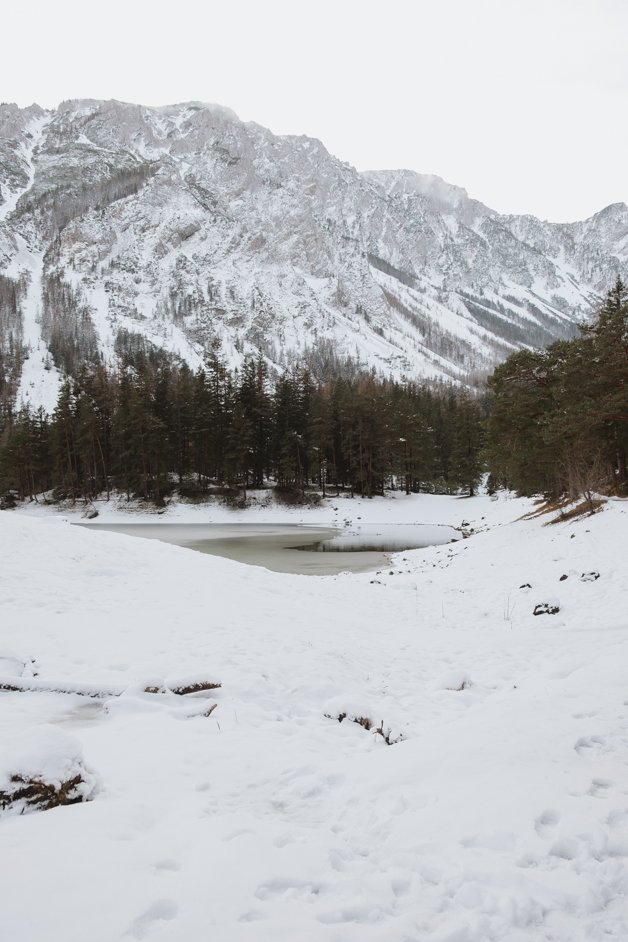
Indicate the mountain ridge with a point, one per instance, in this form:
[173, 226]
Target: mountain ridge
[202, 233]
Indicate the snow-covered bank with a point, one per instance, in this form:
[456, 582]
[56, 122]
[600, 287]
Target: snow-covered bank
[263, 507]
[502, 815]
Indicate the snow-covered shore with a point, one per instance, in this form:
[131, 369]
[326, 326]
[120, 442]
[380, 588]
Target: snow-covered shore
[263, 507]
[501, 815]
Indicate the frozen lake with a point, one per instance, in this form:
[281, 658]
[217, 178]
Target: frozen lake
[316, 551]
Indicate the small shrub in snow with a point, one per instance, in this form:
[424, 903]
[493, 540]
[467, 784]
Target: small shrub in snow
[589, 576]
[28, 794]
[9, 501]
[454, 680]
[366, 723]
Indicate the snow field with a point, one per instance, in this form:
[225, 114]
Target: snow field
[502, 815]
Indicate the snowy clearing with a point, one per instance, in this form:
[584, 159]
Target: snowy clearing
[248, 811]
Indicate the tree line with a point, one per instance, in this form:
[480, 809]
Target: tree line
[558, 419]
[154, 425]
[555, 422]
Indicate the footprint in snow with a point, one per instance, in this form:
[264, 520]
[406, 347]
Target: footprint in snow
[239, 832]
[400, 886]
[162, 910]
[618, 818]
[600, 787]
[252, 915]
[358, 912]
[168, 865]
[590, 745]
[528, 861]
[546, 822]
[566, 848]
[293, 889]
[283, 840]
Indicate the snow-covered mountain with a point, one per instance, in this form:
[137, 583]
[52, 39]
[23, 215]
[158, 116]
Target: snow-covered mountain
[203, 233]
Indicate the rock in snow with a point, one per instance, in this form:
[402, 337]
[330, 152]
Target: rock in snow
[551, 607]
[42, 769]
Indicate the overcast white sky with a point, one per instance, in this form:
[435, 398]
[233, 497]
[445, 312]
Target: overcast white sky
[522, 102]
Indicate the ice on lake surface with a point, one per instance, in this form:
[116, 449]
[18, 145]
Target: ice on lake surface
[321, 550]
[386, 538]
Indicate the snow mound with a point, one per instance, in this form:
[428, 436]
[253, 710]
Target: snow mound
[12, 665]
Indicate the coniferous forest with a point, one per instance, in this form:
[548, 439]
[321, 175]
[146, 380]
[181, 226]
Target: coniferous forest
[558, 419]
[154, 425]
[554, 422]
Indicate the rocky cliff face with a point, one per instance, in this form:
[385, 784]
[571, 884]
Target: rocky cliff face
[200, 233]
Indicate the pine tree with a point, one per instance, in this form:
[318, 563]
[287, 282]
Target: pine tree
[468, 441]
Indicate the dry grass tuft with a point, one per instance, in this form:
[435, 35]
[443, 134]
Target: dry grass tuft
[367, 723]
[566, 509]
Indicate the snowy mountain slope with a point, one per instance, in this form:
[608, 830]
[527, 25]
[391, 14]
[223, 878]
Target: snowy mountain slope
[501, 817]
[201, 232]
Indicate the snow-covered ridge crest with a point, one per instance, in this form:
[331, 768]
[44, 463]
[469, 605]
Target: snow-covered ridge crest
[430, 185]
[200, 232]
